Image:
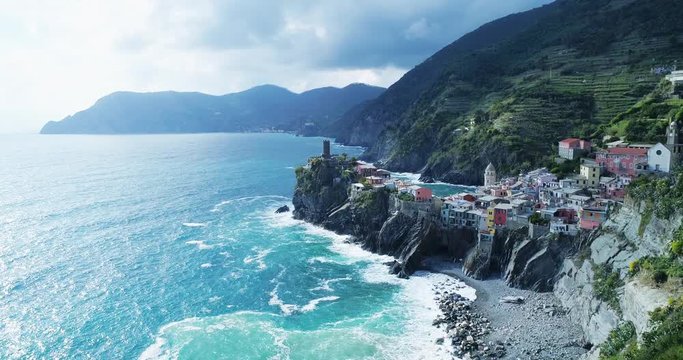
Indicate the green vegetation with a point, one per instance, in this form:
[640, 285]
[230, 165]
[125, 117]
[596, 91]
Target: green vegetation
[618, 339]
[406, 197]
[509, 91]
[659, 268]
[647, 120]
[366, 198]
[605, 284]
[664, 268]
[565, 168]
[538, 219]
[663, 196]
[645, 218]
[663, 342]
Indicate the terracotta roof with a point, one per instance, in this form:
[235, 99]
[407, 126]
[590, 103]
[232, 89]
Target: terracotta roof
[569, 141]
[627, 151]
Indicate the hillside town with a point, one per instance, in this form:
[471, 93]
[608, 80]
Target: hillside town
[537, 199]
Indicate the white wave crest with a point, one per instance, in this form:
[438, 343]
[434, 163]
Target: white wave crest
[325, 284]
[201, 245]
[289, 309]
[195, 224]
[258, 258]
[247, 199]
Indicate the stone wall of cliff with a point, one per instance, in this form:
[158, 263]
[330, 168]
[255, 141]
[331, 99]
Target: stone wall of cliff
[620, 241]
[522, 262]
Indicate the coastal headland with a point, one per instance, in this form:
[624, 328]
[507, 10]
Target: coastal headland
[539, 266]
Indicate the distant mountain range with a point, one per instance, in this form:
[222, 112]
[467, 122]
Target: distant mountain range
[259, 108]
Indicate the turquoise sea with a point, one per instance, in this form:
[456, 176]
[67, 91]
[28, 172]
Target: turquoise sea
[167, 246]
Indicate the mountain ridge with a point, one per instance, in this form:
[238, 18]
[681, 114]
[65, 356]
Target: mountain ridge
[508, 91]
[261, 107]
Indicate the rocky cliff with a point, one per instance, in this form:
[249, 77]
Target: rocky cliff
[522, 262]
[591, 273]
[376, 219]
[623, 239]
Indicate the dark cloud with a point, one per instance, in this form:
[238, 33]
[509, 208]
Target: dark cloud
[344, 34]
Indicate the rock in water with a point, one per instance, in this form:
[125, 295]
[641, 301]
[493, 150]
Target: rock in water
[282, 209]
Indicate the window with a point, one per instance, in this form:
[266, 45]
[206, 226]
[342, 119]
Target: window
[659, 152]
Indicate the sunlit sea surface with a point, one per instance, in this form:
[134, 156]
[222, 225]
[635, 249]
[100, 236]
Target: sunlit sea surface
[167, 246]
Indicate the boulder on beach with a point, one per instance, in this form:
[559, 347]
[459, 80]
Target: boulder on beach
[282, 209]
[512, 299]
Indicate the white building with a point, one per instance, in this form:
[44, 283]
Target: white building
[490, 175]
[659, 158]
[676, 77]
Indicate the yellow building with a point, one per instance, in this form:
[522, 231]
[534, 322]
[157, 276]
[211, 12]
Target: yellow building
[590, 174]
[489, 218]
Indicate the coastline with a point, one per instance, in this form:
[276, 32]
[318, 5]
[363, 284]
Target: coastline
[516, 326]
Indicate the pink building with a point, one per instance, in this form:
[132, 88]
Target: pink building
[621, 161]
[572, 148]
[421, 193]
[592, 216]
[499, 192]
[365, 169]
[501, 213]
[567, 215]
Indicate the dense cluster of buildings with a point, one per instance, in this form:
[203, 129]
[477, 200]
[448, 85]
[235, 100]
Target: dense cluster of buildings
[375, 178]
[538, 199]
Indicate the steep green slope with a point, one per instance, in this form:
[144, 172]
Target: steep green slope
[262, 107]
[565, 69]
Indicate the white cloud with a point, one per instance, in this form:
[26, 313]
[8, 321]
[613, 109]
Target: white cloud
[59, 57]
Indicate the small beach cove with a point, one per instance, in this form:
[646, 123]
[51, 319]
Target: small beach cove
[514, 326]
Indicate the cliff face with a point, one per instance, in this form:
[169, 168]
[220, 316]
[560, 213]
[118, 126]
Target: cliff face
[376, 219]
[616, 244]
[522, 262]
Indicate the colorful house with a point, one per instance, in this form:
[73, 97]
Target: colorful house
[573, 148]
[375, 180]
[590, 174]
[420, 193]
[593, 215]
[621, 161]
[490, 224]
[365, 169]
[501, 214]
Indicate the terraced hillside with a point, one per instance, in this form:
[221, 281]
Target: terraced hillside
[507, 92]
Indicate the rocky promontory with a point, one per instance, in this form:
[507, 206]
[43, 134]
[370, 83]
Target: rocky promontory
[376, 219]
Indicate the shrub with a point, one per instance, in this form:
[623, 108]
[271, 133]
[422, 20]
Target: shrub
[538, 219]
[665, 340]
[406, 197]
[661, 268]
[645, 218]
[660, 276]
[677, 247]
[605, 284]
[677, 242]
[618, 339]
[634, 267]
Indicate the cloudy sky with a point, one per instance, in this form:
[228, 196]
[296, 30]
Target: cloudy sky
[59, 57]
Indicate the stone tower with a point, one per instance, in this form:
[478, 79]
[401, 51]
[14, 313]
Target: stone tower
[672, 134]
[490, 175]
[326, 149]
